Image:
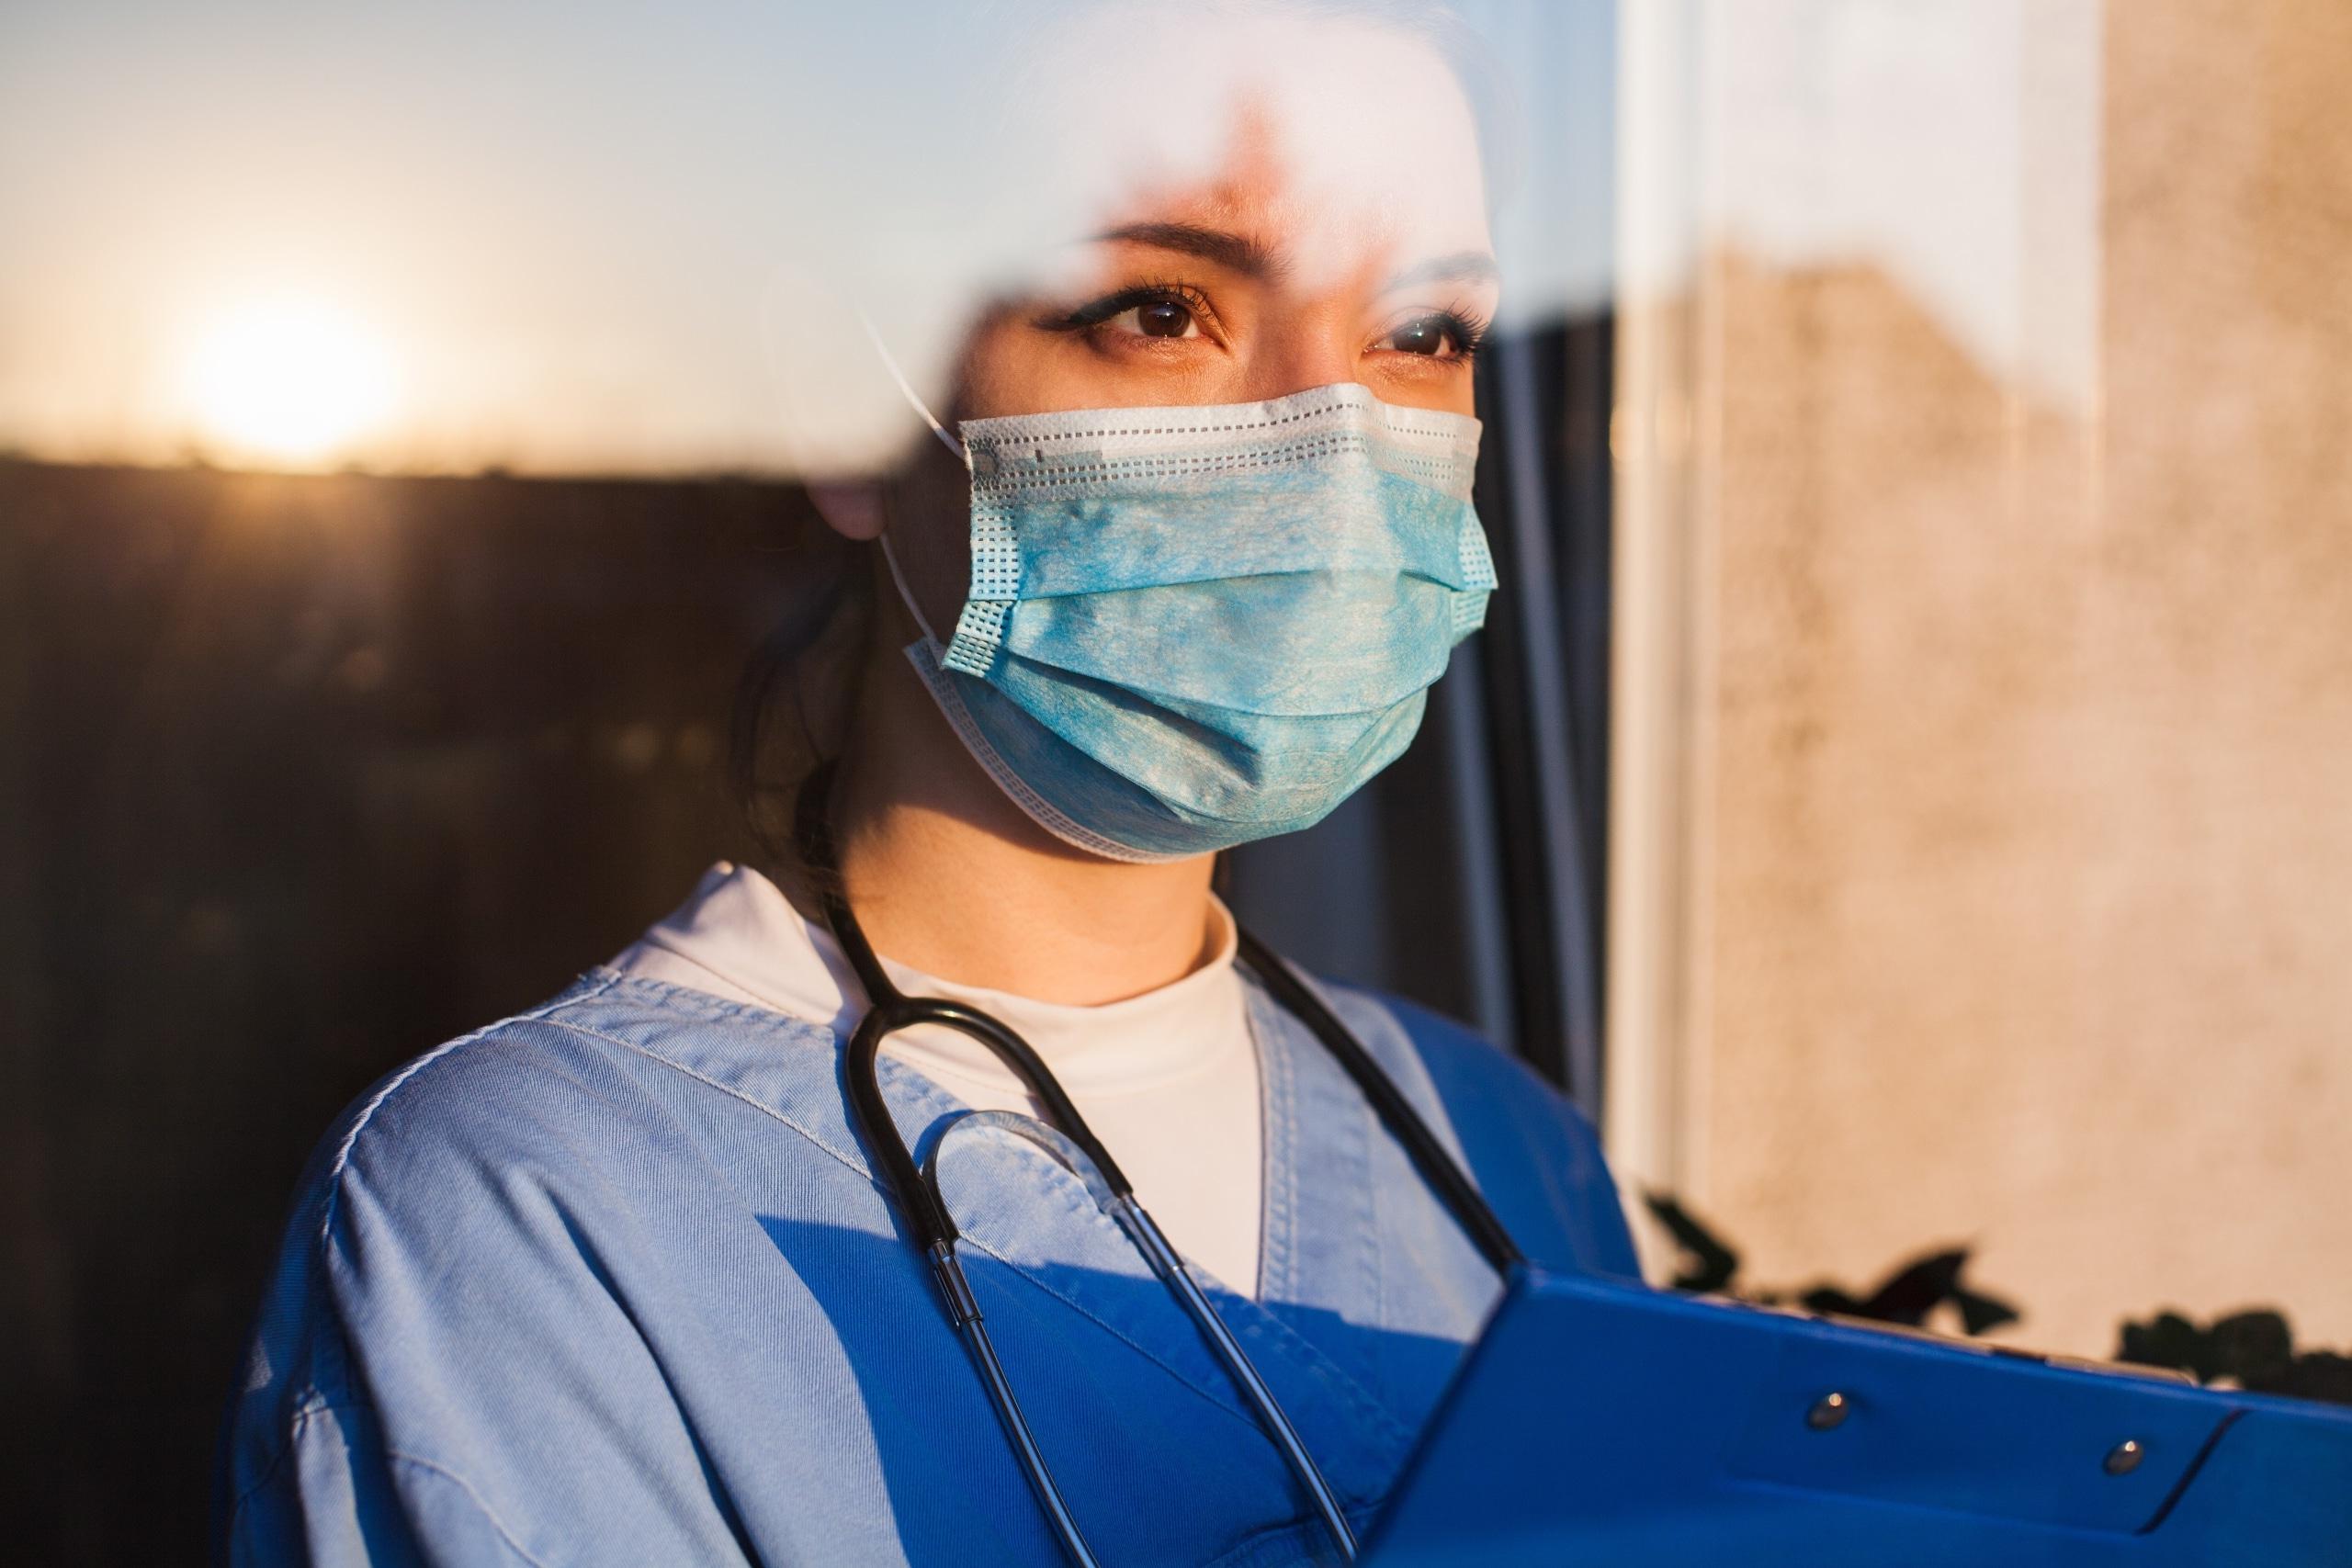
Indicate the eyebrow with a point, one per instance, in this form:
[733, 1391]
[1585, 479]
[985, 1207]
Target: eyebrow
[1238, 253]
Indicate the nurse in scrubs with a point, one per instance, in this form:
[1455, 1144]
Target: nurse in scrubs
[618, 1279]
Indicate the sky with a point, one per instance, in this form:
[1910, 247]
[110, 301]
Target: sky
[584, 237]
[555, 220]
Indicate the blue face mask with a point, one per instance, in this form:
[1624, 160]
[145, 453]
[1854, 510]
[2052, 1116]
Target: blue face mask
[1193, 627]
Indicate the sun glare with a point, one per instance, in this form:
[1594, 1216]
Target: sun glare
[288, 381]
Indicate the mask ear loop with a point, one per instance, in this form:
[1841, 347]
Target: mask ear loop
[906, 388]
[947, 439]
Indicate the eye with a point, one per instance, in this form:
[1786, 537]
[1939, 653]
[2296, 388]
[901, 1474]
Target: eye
[1166, 312]
[1443, 336]
[1166, 316]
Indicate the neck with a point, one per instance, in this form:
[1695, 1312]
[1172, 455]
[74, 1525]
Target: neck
[949, 876]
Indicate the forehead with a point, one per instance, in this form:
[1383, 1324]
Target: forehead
[1341, 145]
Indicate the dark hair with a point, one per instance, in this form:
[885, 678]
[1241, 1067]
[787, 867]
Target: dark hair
[799, 688]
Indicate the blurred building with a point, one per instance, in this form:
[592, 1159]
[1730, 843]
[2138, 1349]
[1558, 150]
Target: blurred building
[1981, 844]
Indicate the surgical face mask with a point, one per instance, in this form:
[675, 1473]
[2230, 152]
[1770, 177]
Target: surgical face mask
[1192, 627]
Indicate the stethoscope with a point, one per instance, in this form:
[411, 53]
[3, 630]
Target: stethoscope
[917, 1194]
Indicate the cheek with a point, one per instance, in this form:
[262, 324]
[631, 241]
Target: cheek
[992, 375]
[1012, 368]
[1444, 388]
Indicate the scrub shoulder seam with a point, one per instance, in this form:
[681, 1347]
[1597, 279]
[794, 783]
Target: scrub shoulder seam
[709, 1082]
[673, 995]
[579, 992]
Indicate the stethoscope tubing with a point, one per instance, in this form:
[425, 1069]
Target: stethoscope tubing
[1270, 1416]
[1152, 1244]
[933, 1226]
[965, 1308]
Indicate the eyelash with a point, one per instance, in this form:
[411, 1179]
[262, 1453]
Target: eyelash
[1468, 332]
[1112, 306]
[1467, 329]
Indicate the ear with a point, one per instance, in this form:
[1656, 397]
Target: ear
[852, 508]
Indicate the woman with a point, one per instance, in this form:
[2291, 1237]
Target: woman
[627, 1279]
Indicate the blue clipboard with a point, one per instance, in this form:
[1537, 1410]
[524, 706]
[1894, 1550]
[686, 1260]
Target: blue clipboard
[1605, 1423]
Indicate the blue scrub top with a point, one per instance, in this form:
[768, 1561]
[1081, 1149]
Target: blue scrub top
[610, 1282]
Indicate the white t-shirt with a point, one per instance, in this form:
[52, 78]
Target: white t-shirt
[1167, 1080]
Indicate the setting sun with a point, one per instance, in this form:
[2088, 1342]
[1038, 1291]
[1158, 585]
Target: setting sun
[287, 382]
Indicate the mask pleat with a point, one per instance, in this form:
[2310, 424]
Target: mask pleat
[1193, 627]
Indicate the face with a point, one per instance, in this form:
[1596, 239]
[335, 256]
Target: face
[1332, 229]
[1337, 233]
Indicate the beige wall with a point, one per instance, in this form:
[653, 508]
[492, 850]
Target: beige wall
[1985, 787]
